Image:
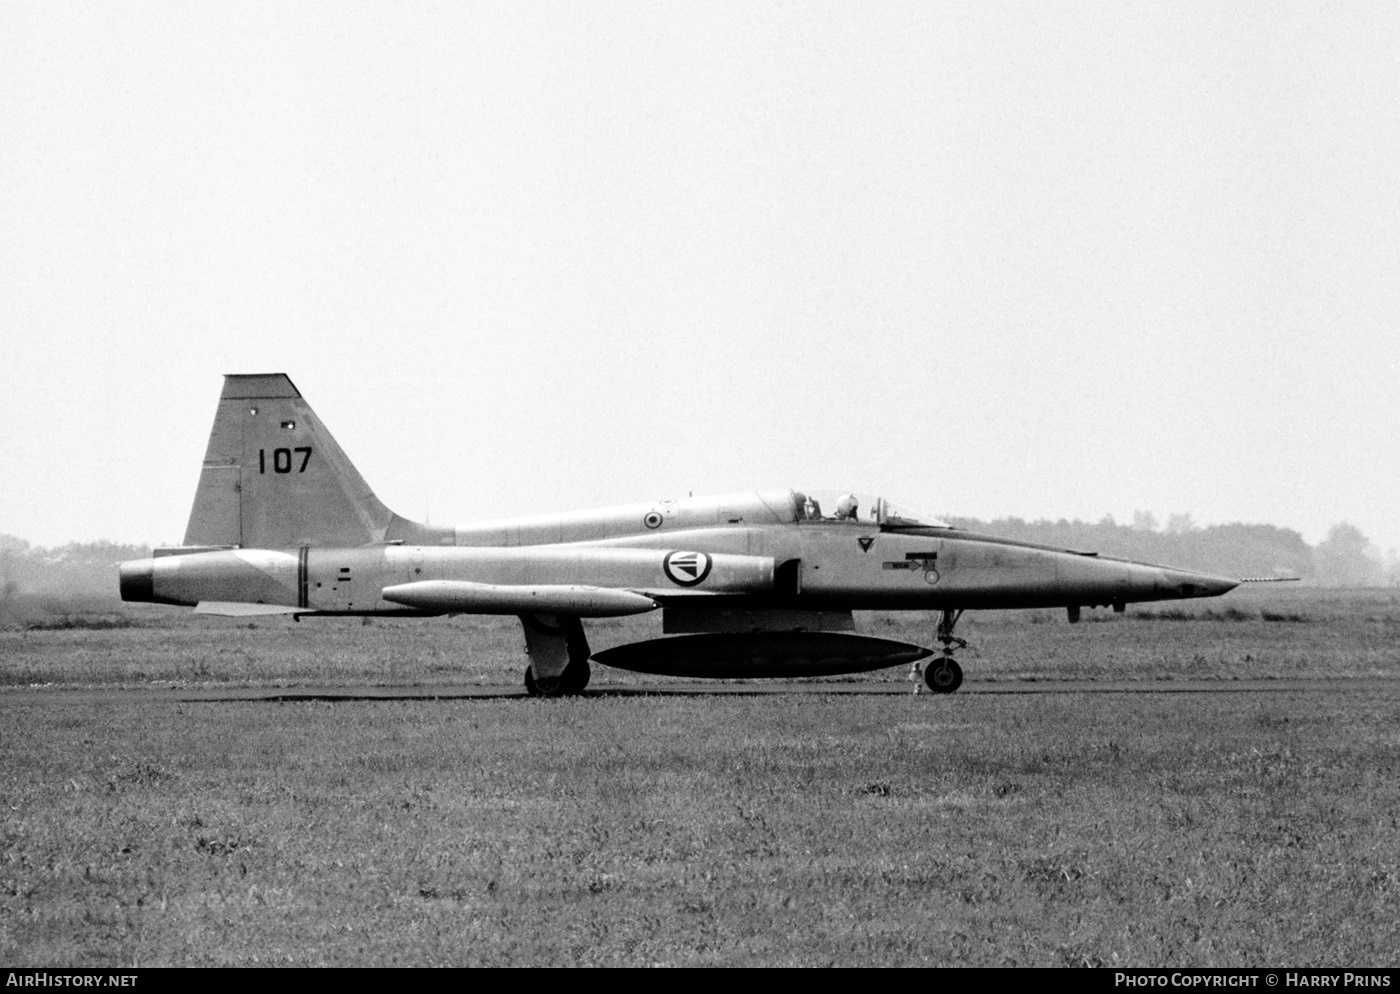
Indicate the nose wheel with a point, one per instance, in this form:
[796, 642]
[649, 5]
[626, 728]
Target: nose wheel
[942, 675]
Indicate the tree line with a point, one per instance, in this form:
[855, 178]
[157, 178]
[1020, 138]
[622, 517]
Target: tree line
[1345, 558]
[78, 569]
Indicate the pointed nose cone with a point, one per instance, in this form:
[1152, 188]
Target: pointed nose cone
[1181, 583]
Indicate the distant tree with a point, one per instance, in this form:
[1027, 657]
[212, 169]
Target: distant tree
[1253, 550]
[12, 551]
[1145, 521]
[1346, 558]
[1180, 524]
[1392, 569]
[10, 545]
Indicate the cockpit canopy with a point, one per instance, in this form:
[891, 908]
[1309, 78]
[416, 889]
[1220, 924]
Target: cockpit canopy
[850, 507]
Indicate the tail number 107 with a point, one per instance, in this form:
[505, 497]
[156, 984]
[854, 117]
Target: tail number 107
[282, 459]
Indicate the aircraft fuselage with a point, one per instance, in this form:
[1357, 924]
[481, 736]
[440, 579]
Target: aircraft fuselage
[816, 567]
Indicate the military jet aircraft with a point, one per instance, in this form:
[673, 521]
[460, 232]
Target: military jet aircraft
[749, 585]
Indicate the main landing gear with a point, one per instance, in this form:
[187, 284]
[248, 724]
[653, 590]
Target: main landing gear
[942, 675]
[558, 651]
[570, 682]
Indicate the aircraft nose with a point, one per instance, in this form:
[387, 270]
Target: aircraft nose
[1186, 584]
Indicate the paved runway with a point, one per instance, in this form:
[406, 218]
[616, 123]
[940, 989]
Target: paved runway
[175, 694]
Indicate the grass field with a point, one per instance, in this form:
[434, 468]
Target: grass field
[619, 829]
[1254, 633]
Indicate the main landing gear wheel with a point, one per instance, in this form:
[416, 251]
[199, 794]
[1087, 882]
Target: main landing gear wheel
[576, 676]
[943, 676]
[570, 682]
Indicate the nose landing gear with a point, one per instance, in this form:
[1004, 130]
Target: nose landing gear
[942, 675]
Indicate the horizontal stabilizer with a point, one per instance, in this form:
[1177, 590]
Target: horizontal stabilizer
[464, 597]
[240, 609]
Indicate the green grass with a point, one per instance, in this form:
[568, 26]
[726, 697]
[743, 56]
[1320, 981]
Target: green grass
[802, 829]
[1327, 634]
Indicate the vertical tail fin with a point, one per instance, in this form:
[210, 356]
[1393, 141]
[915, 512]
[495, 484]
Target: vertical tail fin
[274, 477]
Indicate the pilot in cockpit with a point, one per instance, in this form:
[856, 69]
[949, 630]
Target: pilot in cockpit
[847, 507]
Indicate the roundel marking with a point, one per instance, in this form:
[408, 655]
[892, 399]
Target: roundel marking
[652, 519]
[686, 568]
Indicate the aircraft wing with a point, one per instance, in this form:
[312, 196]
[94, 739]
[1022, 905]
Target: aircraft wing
[243, 609]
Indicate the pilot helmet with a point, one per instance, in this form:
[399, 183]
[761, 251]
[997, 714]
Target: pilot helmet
[846, 507]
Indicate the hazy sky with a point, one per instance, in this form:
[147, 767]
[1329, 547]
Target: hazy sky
[1035, 259]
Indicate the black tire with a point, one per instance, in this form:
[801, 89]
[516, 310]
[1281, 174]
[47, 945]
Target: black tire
[575, 677]
[943, 677]
[571, 681]
[542, 688]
